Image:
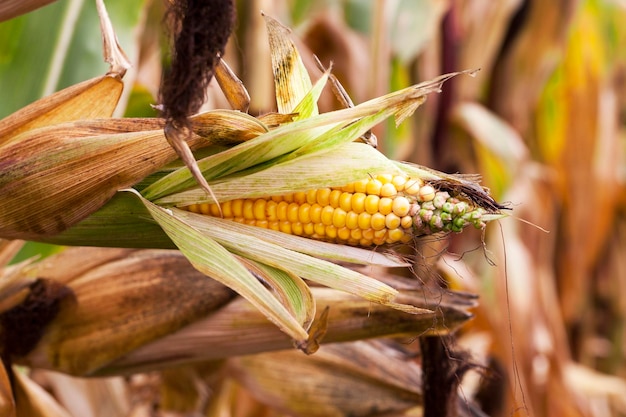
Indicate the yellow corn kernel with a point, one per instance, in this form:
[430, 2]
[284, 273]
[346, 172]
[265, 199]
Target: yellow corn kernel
[373, 187]
[426, 193]
[285, 226]
[299, 197]
[308, 228]
[297, 229]
[258, 209]
[277, 198]
[215, 210]
[292, 212]
[385, 205]
[311, 197]
[288, 198]
[261, 223]
[333, 198]
[345, 201]
[239, 219]
[327, 215]
[227, 209]
[395, 235]
[352, 220]
[406, 222]
[371, 204]
[323, 195]
[205, 209]
[270, 210]
[361, 185]
[356, 234]
[401, 206]
[316, 213]
[384, 178]
[319, 229]
[238, 208]
[392, 221]
[331, 231]
[281, 211]
[365, 221]
[343, 233]
[348, 188]
[412, 186]
[194, 208]
[365, 242]
[339, 218]
[248, 212]
[249, 222]
[399, 182]
[388, 190]
[358, 202]
[378, 221]
[274, 225]
[368, 234]
[304, 213]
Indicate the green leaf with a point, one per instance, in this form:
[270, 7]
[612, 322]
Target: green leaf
[212, 259]
[59, 45]
[236, 238]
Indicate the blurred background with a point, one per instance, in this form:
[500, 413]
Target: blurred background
[541, 122]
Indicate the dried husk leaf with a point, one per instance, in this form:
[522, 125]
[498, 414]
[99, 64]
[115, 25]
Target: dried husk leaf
[353, 379]
[93, 397]
[240, 329]
[33, 401]
[55, 176]
[91, 99]
[120, 305]
[7, 400]
[232, 86]
[291, 79]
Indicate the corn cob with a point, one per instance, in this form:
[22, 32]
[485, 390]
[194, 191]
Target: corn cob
[384, 209]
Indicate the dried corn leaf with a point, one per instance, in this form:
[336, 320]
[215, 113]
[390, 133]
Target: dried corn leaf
[90, 99]
[33, 401]
[342, 379]
[7, 400]
[119, 305]
[291, 79]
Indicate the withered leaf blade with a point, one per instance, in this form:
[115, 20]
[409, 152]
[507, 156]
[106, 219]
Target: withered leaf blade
[233, 88]
[91, 99]
[341, 379]
[291, 79]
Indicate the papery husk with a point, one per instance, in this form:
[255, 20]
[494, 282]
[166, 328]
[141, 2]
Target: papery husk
[33, 401]
[7, 400]
[119, 305]
[55, 176]
[356, 379]
[240, 329]
[91, 99]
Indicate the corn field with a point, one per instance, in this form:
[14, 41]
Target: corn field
[377, 208]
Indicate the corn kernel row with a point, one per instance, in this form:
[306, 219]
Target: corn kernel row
[384, 209]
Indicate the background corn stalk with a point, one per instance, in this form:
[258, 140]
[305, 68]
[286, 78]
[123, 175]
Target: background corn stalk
[540, 123]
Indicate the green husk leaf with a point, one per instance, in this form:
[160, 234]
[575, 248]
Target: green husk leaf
[260, 149]
[289, 288]
[339, 166]
[211, 258]
[237, 239]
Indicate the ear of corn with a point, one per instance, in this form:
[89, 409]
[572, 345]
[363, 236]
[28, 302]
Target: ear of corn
[382, 209]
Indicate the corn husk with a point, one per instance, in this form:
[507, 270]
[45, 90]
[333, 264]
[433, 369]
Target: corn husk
[341, 379]
[117, 314]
